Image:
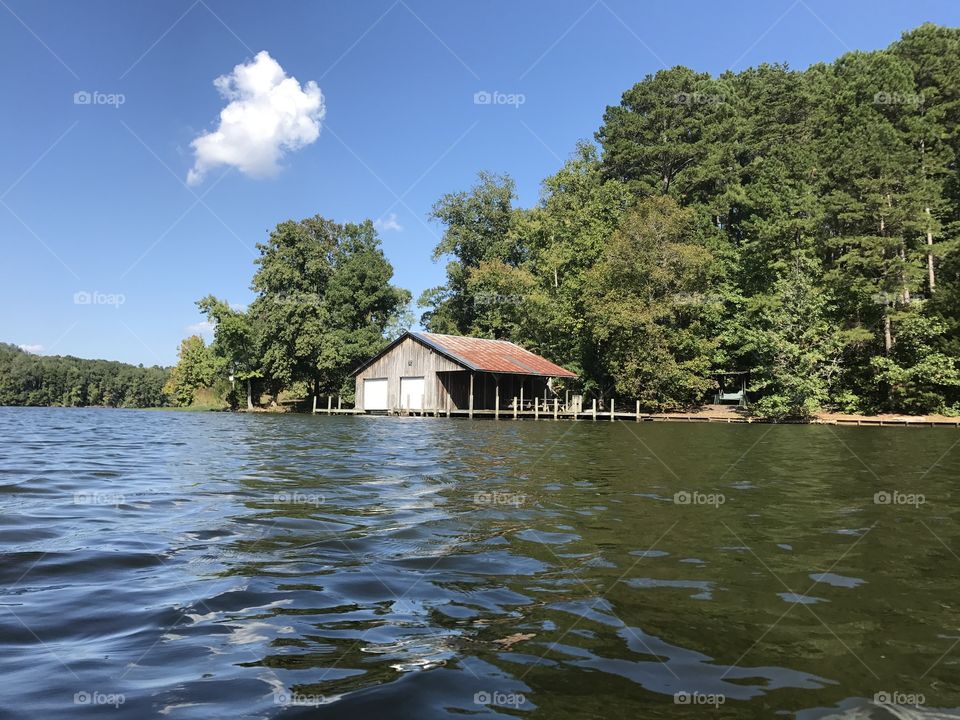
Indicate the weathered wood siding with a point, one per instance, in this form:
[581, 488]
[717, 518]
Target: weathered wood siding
[409, 359]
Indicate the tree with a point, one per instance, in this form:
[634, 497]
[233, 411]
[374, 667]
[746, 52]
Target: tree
[479, 228]
[650, 307]
[324, 303]
[236, 343]
[917, 376]
[794, 349]
[196, 368]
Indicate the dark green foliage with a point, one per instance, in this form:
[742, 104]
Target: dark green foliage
[817, 212]
[40, 380]
[324, 304]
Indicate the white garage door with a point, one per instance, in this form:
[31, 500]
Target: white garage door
[375, 394]
[411, 393]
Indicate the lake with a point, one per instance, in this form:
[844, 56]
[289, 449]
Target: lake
[188, 565]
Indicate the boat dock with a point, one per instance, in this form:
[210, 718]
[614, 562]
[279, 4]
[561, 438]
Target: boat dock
[612, 413]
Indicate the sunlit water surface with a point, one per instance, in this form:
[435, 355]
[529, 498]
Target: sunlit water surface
[245, 566]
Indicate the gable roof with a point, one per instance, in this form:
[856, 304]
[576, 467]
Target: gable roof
[480, 354]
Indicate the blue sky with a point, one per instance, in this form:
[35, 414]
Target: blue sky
[94, 198]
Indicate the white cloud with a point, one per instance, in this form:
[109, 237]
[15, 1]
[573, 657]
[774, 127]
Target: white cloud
[32, 349]
[390, 223]
[204, 327]
[268, 114]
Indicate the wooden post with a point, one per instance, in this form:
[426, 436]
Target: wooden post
[329, 403]
[496, 401]
[638, 411]
[566, 403]
[339, 403]
[514, 407]
[314, 404]
[556, 404]
[521, 393]
[471, 396]
[448, 405]
[594, 409]
[612, 413]
[536, 408]
[422, 408]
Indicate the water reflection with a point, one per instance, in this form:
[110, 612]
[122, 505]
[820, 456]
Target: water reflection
[259, 566]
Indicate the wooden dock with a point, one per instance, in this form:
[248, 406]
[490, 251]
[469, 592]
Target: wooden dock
[555, 411]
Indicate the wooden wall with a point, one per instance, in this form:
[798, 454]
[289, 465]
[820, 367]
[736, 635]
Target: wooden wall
[409, 359]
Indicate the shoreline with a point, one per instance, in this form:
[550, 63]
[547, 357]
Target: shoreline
[707, 414]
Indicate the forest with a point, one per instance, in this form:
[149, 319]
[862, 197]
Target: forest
[41, 380]
[800, 226]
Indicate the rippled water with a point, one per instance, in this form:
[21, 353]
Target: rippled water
[216, 565]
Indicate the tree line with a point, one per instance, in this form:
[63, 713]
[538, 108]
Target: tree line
[800, 226]
[42, 380]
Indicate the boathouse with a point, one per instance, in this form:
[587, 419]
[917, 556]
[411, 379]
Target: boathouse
[435, 373]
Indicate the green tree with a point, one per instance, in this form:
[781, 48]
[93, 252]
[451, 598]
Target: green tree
[196, 368]
[236, 344]
[650, 307]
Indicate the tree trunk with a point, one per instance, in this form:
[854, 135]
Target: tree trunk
[249, 394]
[905, 292]
[931, 276]
[887, 332]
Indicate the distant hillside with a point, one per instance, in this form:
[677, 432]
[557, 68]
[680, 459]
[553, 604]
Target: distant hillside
[39, 380]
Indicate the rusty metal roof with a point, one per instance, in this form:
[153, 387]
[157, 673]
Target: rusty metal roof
[496, 356]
